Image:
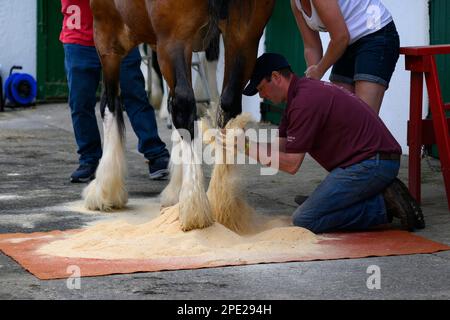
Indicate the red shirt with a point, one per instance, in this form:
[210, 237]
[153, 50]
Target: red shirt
[333, 125]
[78, 23]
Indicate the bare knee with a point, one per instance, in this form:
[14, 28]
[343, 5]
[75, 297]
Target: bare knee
[371, 93]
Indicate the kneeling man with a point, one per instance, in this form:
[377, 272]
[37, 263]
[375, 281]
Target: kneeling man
[344, 135]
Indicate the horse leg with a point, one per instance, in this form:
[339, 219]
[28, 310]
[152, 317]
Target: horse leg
[242, 31]
[195, 211]
[108, 191]
[171, 194]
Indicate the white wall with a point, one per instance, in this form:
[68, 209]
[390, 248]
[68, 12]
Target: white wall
[413, 24]
[18, 33]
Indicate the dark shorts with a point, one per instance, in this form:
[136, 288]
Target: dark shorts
[372, 58]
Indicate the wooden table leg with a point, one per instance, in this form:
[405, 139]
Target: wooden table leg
[415, 135]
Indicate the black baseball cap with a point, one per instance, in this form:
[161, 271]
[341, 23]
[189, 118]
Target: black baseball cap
[265, 65]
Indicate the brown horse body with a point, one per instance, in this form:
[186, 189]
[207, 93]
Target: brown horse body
[176, 28]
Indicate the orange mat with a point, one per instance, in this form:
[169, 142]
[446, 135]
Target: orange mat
[333, 246]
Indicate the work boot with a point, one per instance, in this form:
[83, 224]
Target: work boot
[159, 168]
[299, 199]
[419, 221]
[84, 173]
[400, 204]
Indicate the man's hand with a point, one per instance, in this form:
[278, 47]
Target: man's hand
[313, 72]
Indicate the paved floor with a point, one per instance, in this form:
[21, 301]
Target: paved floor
[37, 155]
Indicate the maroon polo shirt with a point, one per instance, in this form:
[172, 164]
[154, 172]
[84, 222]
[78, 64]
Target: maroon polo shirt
[333, 125]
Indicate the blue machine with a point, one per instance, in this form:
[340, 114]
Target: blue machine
[20, 88]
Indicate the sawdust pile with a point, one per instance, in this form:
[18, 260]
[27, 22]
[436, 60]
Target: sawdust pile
[237, 232]
[162, 238]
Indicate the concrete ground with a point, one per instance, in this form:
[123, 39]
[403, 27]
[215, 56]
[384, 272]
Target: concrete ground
[38, 154]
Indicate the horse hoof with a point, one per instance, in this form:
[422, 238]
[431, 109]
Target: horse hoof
[96, 199]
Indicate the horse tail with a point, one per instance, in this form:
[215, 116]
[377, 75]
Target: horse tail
[218, 10]
[118, 112]
[212, 52]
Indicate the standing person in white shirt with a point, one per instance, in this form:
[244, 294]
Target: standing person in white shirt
[364, 45]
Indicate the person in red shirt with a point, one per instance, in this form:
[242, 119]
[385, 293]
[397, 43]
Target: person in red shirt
[83, 69]
[344, 135]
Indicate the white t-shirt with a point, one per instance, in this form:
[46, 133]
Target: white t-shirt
[362, 17]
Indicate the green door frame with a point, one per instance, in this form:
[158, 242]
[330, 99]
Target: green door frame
[41, 48]
[52, 83]
[283, 36]
[440, 34]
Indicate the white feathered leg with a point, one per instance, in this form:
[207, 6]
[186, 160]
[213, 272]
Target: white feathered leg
[108, 191]
[171, 194]
[195, 211]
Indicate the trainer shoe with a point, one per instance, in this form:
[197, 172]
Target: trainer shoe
[159, 168]
[84, 173]
[400, 204]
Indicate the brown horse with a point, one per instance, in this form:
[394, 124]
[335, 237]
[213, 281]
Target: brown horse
[175, 29]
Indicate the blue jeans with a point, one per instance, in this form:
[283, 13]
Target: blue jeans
[83, 71]
[349, 198]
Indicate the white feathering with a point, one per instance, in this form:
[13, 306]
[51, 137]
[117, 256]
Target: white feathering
[108, 191]
[195, 211]
[171, 194]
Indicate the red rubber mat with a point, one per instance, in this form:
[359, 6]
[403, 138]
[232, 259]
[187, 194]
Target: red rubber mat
[22, 248]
